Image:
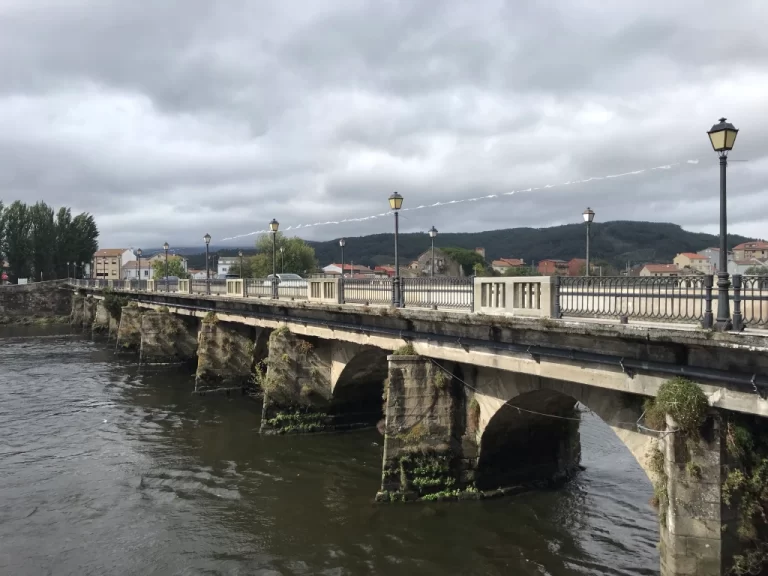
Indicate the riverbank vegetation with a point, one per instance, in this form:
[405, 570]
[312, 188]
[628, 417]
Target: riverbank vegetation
[41, 244]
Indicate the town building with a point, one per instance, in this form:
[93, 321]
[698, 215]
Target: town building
[742, 266]
[694, 262]
[196, 274]
[577, 266]
[160, 257]
[385, 270]
[444, 265]
[552, 267]
[660, 270]
[131, 270]
[231, 265]
[108, 262]
[349, 269]
[503, 264]
[747, 250]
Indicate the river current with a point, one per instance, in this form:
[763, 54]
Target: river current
[108, 468]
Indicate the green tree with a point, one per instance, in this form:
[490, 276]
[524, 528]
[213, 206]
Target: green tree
[521, 271]
[757, 271]
[466, 258]
[299, 257]
[85, 236]
[42, 241]
[65, 248]
[17, 244]
[175, 268]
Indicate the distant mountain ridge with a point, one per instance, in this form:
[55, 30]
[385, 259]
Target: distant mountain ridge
[618, 243]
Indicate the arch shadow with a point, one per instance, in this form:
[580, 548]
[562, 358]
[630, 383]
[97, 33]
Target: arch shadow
[357, 396]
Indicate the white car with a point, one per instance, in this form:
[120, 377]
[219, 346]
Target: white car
[285, 280]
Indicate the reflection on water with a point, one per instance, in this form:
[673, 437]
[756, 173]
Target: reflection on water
[106, 468]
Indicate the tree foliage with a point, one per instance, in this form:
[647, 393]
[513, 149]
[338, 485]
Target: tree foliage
[468, 259]
[298, 256]
[175, 268]
[757, 271]
[38, 242]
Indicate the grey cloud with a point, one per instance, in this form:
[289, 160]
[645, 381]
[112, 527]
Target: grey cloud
[170, 119]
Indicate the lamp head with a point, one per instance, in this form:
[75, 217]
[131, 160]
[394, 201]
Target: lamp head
[395, 201]
[589, 215]
[722, 136]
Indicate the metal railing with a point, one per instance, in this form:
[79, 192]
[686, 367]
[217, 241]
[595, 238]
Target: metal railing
[438, 292]
[750, 301]
[258, 288]
[673, 298]
[366, 291]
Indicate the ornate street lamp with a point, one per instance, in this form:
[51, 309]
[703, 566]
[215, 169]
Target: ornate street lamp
[273, 226]
[207, 239]
[589, 215]
[432, 236]
[342, 243]
[166, 247]
[68, 276]
[138, 269]
[395, 203]
[282, 259]
[723, 137]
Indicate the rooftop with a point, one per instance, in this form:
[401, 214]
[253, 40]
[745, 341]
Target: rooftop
[501, 262]
[109, 252]
[661, 268]
[692, 256]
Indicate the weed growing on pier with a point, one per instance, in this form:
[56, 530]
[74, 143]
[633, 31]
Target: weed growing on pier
[439, 379]
[211, 318]
[298, 422]
[304, 347]
[114, 303]
[406, 350]
[746, 490]
[681, 399]
[164, 310]
[474, 415]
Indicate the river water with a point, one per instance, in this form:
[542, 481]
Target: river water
[107, 468]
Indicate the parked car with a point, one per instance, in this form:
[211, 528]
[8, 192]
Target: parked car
[293, 280]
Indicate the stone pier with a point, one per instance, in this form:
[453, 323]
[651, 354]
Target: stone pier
[421, 440]
[296, 385]
[78, 303]
[129, 330]
[692, 514]
[101, 320]
[89, 313]
[226, 354]
[166, 337]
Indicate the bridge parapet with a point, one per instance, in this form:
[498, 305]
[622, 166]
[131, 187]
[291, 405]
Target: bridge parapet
[521, 296]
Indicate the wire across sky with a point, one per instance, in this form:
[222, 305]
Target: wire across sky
[295, 227]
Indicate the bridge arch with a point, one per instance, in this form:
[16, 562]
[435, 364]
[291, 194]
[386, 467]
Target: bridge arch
[528, 426]
[357, 385]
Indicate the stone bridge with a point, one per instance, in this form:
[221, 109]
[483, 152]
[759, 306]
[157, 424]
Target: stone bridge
[471, 405]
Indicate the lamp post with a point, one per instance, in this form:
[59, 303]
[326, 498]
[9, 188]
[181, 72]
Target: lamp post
[207, 239]
[166, 247]
[245, 283]
[395, 203]
[273, 226]
[68, 270]
[282, 259]
[723, 136]
[138, 268]
[93, 269]
[432, 236]
[342, 243]
[589, 215]
[82, 270]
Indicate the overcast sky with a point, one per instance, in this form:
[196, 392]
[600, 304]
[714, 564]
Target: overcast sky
[168, 119]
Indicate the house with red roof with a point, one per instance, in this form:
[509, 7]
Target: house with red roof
[693, 261]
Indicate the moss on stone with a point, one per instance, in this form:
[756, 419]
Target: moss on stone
[298, 422]
[210, 318]
[405, 350]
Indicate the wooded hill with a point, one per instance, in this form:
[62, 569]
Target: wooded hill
[616, 243]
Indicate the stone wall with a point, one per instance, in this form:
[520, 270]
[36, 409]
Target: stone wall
[421, 450]
[167, 337]
[89, 313]
[101, 320]
[39, 300]
[226, 354]
[296, 385]
[76, 315]
[129, 330]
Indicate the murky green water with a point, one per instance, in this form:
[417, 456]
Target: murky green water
[108, 469]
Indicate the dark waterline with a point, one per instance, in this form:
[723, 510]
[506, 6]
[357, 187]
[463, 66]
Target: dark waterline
[108, 469]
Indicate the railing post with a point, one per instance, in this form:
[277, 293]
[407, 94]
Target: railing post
[472, 294]
[556, 297]
[706, 321]
[738, 318]
[341, 289]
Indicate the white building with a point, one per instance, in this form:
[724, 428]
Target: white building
[227, 263]
[130, 270]
[160, 257]
[196, 274]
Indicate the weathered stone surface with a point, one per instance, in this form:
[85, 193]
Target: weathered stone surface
[166, 337]
[29, 302]
[420, 449]
[226, 354]
[101, 320]
[297, 384]
[76, 315]
[114, 326]
[89, 313]
[691, 537]
[129, 330]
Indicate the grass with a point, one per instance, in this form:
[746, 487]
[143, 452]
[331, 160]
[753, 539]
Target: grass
[405, 350]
